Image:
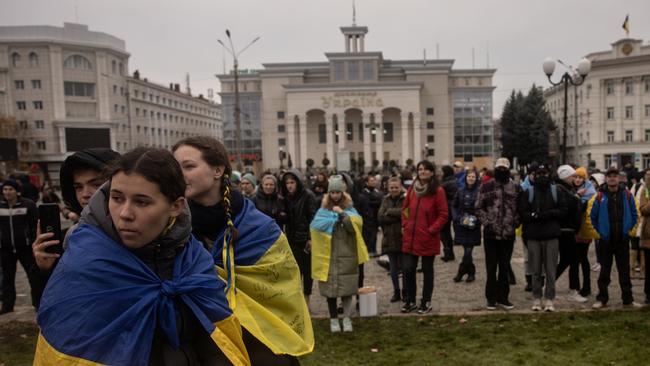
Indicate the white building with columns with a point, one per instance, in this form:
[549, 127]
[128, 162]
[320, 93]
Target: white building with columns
[358, 106]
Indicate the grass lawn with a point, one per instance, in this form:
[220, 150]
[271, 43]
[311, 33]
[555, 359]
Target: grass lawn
[590, 338]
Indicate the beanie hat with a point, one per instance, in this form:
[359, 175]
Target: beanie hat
[251, 178]
[235, 177]
[565, 171]
[11, 183]
[336, 184]
[581, 172]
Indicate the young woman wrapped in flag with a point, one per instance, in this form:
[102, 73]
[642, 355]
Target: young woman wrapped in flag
[251, 254]
[134, 287]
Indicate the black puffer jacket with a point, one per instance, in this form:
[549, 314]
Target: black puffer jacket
[574, 208]
[541, 218]
[18, 225]
[197, 348]
[300, 208]
[374, 198]
[271, 205]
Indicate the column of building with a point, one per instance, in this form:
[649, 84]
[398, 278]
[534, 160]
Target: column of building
[291, 135]
[302, 130]
[405, 137]
[367, 157]
[417, 139]
[329, 138]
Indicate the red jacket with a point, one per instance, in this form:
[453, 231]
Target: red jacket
[422, 219]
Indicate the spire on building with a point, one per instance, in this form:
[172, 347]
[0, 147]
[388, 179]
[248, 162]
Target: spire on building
[354, 14]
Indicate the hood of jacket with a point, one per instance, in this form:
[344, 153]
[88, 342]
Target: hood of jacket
[97, 214]
[298, 177]
[95, 159]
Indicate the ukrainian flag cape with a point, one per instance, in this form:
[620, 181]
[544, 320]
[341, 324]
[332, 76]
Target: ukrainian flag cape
[102, 304]
[265, 291]
[321, 228]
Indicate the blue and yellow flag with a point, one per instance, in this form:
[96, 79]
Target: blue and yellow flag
[626, 25]
[268, 298]
[102, 304]
[321, 228]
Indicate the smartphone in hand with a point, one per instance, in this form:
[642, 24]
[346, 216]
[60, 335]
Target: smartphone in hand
[50, 221]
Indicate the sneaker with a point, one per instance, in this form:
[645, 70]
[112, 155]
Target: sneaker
[633, 304]
[335, 327]
[396, 297]
[537, 305]
[598, 305]
[595, 267]
[491, 305]
[347, 324]
[425, 307]
[408, 307]
[574, 295]
[506, 305]
[548, 306]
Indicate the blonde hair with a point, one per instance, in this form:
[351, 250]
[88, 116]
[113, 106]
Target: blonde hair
[346, 201]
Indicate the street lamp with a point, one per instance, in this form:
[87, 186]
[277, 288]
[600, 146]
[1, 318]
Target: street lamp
[237, 112]
[584, 66]
[425, 152]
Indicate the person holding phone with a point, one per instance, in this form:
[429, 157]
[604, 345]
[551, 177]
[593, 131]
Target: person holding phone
[81, 175]
[18, 217]
[135, 287]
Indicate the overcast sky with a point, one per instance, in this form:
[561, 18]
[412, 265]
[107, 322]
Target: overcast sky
[167, 38]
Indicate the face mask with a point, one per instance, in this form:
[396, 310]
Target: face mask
[542, 181]
[502, 175]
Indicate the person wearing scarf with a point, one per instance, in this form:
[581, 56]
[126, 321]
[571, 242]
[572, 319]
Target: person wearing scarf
[134, 287]
[337, 251]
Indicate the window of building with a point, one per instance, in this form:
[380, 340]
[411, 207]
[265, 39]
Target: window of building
[75, 89]
[33, 59]
[21, 106]
[24, 145]
[430, 138]
[629, 112]
[137, 128]
[114, 89]
[430, 111]
[608, 160]
[19, 84]
[353, 70]
[281, 128]
[610, 88]
[646, 161]
[15, 59]
[77, 62]
[121, 90]
[137, 112]
[123, 109]
[610, 137]
[647, 85]
[349, 131]
[36, 84]
[38, 104]
[368, 70]
[121, 67]
[610, 113]
[23, 125]
[430, 125]
[628, 136]
[388, 132]
[280, 114]
[40, 145]
[629, 87]
[361, 132]
[115, 108]
[39, 124]
[431, 152]
[114, 67]
[647, 110]
[647, 136]
[322, 133]
[282, 142]
[339, 70]
[135, 93]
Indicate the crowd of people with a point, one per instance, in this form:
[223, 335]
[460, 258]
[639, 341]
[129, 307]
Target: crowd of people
[209, 265]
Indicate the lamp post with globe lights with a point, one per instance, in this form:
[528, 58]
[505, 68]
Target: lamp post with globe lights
[584, 66]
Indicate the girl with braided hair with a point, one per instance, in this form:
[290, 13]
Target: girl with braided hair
[251, 254]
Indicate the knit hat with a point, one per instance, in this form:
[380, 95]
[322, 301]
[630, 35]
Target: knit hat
[565, 171]
[599, 178]
[235, 177]
[11, 183]
[581, 172]
[251, 178]
[502, 162]
[336, 184]
[271, 177]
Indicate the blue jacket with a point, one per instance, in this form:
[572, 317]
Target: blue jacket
[599, 214]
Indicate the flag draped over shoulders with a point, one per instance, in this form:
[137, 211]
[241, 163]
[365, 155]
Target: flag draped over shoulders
[321, 228]
[102, 304]
[268, 297]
